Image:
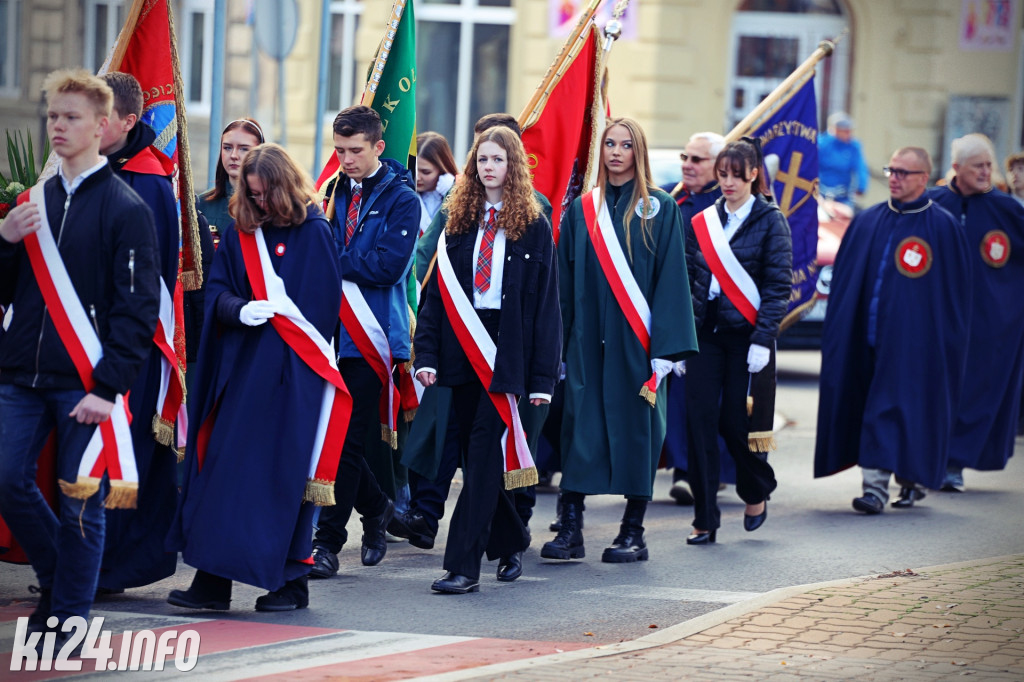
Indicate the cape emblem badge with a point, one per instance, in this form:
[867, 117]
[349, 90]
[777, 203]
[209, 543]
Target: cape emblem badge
[653, 206]
[995, 248]
[279, 249]
[913, 257]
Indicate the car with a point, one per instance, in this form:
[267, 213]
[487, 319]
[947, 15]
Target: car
[666, 167]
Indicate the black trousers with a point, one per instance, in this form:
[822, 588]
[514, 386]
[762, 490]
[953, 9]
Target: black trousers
[355, 485]
[716, 403]
[485, 517]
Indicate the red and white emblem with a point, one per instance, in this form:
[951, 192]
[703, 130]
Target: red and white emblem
[913, 257]
[279, 249]
[995, 248]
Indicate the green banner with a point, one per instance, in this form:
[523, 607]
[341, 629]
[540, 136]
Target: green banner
[391, 86]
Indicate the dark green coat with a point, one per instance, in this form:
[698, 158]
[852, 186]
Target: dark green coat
[611, 436]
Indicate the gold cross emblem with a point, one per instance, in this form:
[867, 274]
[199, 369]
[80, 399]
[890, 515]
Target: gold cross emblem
[792, 181]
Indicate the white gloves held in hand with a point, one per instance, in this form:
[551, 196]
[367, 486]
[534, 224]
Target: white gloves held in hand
[661, 368]
[757, 358]
[255, 313]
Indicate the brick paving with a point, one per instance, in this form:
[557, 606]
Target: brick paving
[937, 623]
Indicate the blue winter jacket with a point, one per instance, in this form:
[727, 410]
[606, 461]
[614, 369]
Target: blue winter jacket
[380, 254]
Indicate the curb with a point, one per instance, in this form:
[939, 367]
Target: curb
[683, 630]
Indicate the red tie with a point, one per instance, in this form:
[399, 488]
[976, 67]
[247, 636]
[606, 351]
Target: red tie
[482, 280]
[353, 213]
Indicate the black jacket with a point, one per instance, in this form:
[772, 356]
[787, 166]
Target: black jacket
[764, 247]
[530, 332]
[108, 244]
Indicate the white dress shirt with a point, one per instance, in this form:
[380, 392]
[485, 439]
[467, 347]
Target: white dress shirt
[490, 299]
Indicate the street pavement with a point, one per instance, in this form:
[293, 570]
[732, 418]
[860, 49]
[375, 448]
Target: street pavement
[660, 619]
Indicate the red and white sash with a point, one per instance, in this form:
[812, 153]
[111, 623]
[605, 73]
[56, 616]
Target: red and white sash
[170, 401]
[310, 345]
[737, 284]
[372, 343]
[110, 448]
[519, 468]
[620, 277]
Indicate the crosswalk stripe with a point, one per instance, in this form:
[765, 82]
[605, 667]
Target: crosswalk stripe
[670, 594]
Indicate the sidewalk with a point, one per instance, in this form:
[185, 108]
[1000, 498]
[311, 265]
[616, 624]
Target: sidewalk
[936, 623]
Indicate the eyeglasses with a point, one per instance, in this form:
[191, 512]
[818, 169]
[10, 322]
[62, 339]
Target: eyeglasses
[696, 159]
[901, 173]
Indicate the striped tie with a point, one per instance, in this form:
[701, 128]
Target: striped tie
[353, 213]
[482, 280]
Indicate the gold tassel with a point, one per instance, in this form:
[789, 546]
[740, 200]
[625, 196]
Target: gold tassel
[389, 436]
[761, 441]
[82, 489]
[191, 280]
[320, 492]
[410, 414]
[122, 495]
[163, 430]
[520, 478]
[179, 455]
[648, 395]
[750, 405]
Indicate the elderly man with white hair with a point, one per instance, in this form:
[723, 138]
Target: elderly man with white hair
[986, 420]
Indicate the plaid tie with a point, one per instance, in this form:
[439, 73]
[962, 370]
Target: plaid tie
[353, 213]
[482, 280]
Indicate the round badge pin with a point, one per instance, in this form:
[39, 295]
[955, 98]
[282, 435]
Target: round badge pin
[913, 257]
[653, 206]
[279, 249]
[995, 248]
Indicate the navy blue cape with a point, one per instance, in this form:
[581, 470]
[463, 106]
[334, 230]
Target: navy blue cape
[891, 407]
[986, 421]
[242, 514]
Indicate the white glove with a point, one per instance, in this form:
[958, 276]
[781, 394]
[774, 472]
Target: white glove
[255, 313]
[661, 368]
[757, 358]
[679, 368]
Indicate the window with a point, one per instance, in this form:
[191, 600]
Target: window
[10, 45]
[771, 38]
[462, 56]
[103, 21]
[344, 83]
[194, 26]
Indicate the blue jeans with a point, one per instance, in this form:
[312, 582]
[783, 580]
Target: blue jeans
[65, 552]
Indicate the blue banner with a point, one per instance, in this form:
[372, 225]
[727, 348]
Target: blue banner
[791, 136]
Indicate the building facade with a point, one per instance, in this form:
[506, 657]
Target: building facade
[910, 72]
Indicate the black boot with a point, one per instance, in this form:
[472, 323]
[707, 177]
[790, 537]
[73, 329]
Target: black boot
[208, 591]
[568, 544]
[629, 545]
[293, 595]
[556, 525]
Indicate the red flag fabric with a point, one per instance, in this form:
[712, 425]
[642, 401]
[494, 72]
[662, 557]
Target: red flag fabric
[558, 144]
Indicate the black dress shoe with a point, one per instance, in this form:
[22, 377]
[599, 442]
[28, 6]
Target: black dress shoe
[37, 619]
[293, 595]
[680, 492]
[191, 599]
[868, 503]
[704, 537]
[414, 527]
[510, 567]
[325, 563]
[453, 583]
[752, 523]
[375, 544]
[907, 498]
[207, 591]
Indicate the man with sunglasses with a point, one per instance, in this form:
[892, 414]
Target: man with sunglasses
[892, 353]
[986, 421]
[697, 190]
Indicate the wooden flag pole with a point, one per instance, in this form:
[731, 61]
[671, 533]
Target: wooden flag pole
[825, 49]
[380, 59]
[125, 36]
[570, 48]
